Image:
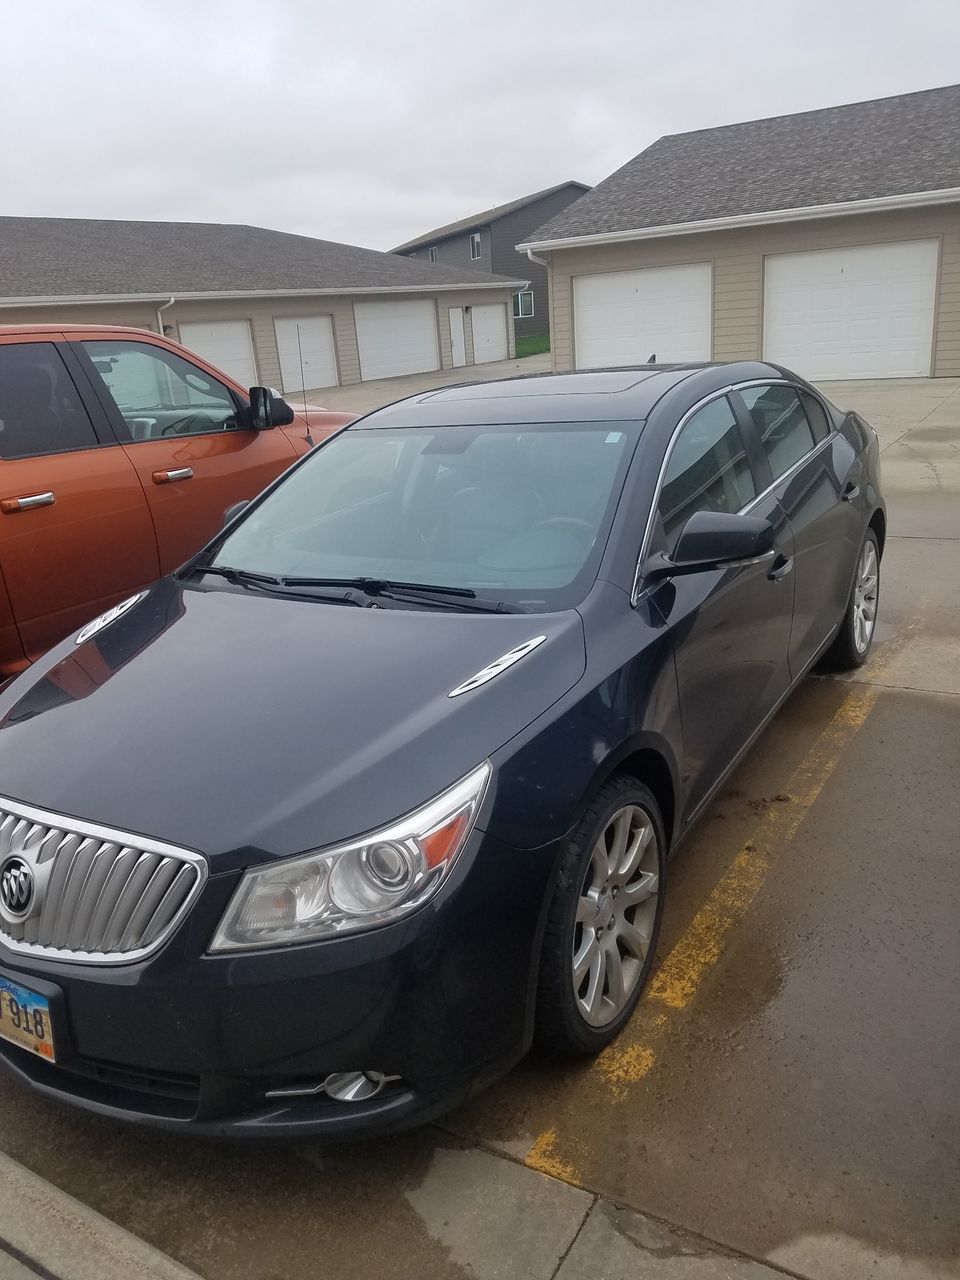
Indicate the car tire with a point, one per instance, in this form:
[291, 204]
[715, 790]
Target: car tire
[853, 642]
[618, 848]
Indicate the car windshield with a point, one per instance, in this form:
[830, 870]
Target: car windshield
[516, 514]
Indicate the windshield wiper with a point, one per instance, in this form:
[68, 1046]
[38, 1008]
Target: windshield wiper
[410, 592]
[238, 575]
[273, 584]
[381, 586]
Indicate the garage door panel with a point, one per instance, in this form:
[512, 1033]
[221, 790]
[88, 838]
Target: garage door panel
[623, 317]
[395, 338]
[489, 332]
[308, 357]
[227, 344]
[860, 312]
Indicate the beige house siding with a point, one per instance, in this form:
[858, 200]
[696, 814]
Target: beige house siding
[737, 260]
[139, 315]
[261, 314]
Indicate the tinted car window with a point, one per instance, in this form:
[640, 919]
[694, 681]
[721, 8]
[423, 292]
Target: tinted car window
[781, 424]
[708, 470]
[516, 512]
[40, 408]
[158, 393]
[815, 416]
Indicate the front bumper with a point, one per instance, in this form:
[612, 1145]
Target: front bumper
[188, 1041]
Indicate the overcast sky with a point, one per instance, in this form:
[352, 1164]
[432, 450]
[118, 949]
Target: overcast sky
[371, 122]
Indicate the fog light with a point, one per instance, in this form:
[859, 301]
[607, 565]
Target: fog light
[355, 1086]
[343, 1086]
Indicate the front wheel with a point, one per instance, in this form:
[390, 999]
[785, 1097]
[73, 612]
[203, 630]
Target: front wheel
[855, 637]
[603, 920]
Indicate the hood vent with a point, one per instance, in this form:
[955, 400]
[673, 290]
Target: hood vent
[494, 668]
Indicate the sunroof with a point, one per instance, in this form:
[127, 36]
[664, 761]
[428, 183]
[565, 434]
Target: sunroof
[549, 384]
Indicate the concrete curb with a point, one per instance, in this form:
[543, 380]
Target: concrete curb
[49, 1234]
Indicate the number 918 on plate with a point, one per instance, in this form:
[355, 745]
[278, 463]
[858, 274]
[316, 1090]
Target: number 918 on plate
[25, 1019]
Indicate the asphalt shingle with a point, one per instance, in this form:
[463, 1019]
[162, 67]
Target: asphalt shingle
[887, 147]
[483, 218]
[70, 257]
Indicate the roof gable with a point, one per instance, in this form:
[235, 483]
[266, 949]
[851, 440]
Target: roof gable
[485, 217]
[837, 155]
[83, 257]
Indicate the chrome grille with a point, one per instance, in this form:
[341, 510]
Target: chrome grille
[100, 896]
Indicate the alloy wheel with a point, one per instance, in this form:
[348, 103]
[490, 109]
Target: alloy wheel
[865, 596]
[616, 915]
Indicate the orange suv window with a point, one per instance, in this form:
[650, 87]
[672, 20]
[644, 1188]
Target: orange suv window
[158, 393]
[40, 408]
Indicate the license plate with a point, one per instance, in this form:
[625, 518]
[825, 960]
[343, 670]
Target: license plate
[25, 1019]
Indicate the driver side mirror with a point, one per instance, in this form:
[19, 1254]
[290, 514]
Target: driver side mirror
[269, 409]
[710, 539]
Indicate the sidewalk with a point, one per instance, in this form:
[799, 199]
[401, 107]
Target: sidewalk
[46, 1233]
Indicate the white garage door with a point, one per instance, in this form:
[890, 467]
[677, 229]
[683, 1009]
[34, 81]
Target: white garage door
[396, 338]
[489, 332]
[226, 344]
[624, 317]
[308, 357]
[864, 312]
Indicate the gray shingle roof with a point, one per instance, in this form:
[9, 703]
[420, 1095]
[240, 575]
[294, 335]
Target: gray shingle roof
[484, 218]
[887, 147]
[70, 257]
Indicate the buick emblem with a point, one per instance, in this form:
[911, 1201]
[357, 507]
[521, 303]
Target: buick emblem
[16, 888]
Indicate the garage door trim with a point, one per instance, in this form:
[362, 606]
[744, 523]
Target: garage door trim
[212, 359]
[374, 349]
[320, 315]
[926, 346]
[689, 265]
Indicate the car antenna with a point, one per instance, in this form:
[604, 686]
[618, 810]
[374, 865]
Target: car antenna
[303, 391]
[652, 359]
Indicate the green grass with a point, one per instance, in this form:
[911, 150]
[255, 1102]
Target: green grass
[533, 345]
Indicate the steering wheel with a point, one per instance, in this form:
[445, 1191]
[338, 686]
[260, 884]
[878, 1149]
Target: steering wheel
[181, 426]
[583, 530]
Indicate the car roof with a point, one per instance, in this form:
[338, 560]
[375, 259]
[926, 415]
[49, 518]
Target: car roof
[622, 394]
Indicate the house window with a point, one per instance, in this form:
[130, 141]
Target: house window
[433, 253]
[476, 246]
[523, 305]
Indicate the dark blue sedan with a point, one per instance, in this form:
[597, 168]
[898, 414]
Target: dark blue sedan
[317, 834]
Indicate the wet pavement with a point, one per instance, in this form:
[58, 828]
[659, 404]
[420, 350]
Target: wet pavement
[786, 1099]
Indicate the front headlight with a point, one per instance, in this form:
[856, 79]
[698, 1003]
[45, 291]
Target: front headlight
[358, 885]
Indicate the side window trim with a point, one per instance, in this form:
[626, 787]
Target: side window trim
[749, 427]
[723, 393]
[750, 437]
[109, 407]
[89, 393]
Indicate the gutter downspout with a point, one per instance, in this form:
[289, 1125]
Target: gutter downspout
[163, 308]
[541, 262]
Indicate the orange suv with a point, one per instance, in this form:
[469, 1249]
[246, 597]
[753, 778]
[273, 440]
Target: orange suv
[120, 452]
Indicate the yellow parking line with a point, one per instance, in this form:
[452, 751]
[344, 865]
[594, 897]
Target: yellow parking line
[633, 1055]
[678, 978]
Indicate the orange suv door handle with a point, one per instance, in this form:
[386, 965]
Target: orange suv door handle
[171, 477]
[10, 506]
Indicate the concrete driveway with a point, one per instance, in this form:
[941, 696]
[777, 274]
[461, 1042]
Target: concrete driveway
[785, 1100]
[365, 396]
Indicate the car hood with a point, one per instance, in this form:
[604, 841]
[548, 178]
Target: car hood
[247, 726]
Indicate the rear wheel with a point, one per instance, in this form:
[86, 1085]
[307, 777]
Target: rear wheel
[603, 920]
[855, 637]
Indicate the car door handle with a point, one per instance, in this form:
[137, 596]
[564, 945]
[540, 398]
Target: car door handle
[10, 506]
[781, 567]
[171, 477]
[851, 490]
